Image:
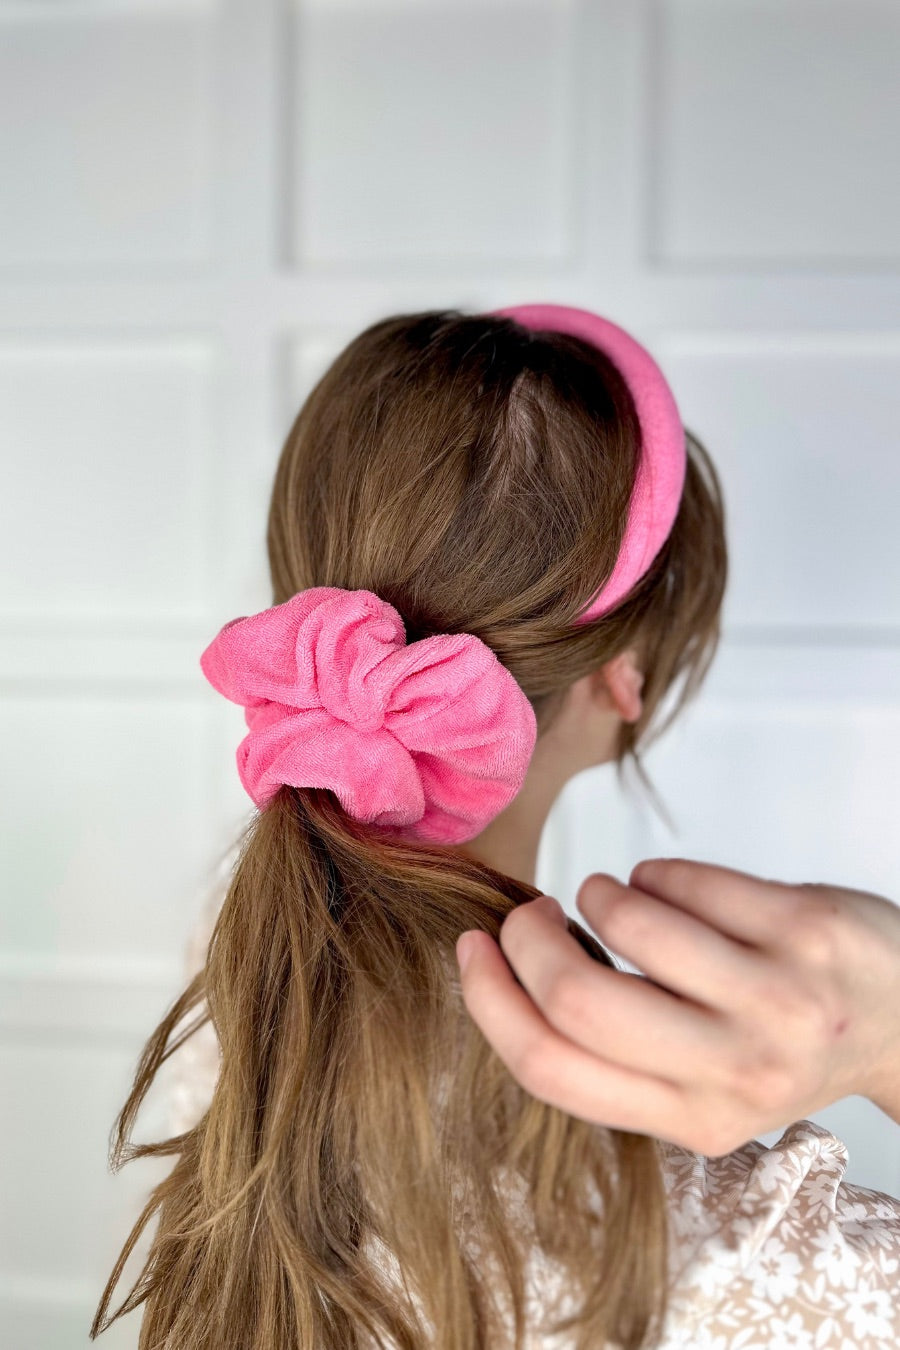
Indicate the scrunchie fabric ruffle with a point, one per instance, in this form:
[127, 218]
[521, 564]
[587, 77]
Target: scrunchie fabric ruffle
[430, 739]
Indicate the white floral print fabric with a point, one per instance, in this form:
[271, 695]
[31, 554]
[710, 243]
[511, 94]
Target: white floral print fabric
[770, 1249]
[775, 1251]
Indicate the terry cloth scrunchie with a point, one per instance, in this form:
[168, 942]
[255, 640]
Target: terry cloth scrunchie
[432, 739]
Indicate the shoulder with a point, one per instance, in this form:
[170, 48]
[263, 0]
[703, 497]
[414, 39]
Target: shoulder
[772, 1246]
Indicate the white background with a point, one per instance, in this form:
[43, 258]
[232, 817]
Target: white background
[201, 201]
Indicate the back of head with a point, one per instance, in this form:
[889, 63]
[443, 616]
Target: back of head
[477, 476]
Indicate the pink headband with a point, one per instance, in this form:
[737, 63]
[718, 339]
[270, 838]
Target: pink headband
[661, 468]
[429, 740]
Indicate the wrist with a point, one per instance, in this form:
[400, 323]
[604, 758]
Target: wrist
[886, 1095]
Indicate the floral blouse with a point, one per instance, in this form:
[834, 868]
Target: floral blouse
[769, 1248]
[776, 1252]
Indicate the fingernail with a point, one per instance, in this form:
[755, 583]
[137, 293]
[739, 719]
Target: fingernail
[465, 950]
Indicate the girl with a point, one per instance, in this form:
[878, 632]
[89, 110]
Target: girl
[497, 558]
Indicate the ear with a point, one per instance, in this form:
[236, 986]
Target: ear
[622, 681]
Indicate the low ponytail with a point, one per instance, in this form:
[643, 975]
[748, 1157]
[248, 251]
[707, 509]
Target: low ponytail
[332, 1152]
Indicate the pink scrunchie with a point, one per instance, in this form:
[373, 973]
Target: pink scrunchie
[431, 739]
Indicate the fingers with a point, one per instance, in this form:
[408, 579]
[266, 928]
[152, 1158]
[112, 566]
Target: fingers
[676, 949]
[607, 1012]
[550, 1066]
[747, 908]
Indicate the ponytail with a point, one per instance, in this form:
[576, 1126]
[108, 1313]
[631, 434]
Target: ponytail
[332, 1157]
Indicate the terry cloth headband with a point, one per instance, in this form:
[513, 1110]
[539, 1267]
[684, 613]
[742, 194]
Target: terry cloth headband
[663, 458]
[429, 740]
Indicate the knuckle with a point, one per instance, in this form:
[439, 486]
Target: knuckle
[563, 1001]
[812, 925]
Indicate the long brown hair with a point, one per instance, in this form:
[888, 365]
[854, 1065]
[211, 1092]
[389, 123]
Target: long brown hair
[477, 476]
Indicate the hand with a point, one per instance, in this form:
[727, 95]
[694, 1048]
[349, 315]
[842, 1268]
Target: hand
[765, 1002]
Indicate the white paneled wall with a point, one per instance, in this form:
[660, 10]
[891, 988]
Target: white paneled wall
[113, 439]
[775, 132]
[105, 135]
[804, 429]
[201, 202]
[460, 135]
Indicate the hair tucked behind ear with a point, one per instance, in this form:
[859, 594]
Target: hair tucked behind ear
[368, 1173]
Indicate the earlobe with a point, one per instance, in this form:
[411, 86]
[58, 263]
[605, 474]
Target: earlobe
[624, 682]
